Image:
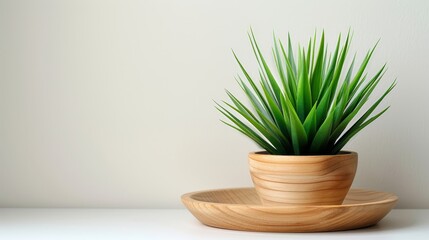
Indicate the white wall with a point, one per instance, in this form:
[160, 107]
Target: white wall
[109, 103]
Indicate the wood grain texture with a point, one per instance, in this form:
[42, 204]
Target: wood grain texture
[241, 209]
[302, 180]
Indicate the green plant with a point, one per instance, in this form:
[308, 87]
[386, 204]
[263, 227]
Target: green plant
[306, 106]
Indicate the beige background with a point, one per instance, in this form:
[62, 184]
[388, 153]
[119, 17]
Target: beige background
[109, 103]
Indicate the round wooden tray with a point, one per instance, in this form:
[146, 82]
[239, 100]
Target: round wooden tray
[241, 209]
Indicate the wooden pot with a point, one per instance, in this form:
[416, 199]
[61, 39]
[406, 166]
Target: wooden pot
[302, 180]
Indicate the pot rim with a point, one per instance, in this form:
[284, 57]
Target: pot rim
[265, 153]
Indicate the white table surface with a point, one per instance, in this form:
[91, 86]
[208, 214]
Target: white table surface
[106, 224]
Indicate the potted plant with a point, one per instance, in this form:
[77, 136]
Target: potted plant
[302, 114]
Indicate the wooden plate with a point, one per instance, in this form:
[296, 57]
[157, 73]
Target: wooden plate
[241, 209]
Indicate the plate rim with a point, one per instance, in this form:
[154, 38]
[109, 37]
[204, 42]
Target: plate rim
[392, 198]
